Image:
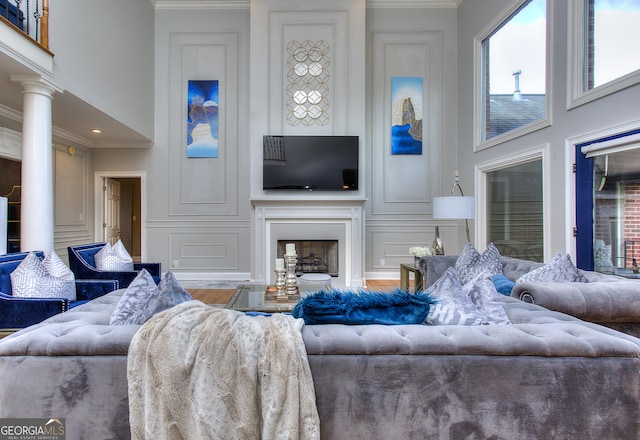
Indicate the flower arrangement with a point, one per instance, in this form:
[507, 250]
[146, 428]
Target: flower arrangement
[419, 251]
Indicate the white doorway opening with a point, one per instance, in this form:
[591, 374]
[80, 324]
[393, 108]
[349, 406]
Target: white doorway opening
[120, 210]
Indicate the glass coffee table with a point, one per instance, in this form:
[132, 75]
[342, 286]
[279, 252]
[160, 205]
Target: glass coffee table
[253, 298]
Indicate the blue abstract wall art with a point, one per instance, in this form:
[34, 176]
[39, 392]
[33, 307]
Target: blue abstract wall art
[406, 115]
[202, 118]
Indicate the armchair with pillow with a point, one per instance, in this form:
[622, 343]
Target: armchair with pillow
[101, 261]
[608, 300]
[34, 287]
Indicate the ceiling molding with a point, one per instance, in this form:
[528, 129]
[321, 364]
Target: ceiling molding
[10, 113]
[245, 4]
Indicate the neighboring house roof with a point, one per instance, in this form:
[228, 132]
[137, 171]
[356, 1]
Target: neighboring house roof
[505, 113]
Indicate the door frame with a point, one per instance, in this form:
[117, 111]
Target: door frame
[99, 182]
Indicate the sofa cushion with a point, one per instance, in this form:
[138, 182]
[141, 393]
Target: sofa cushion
[363, 307]
[113, 258]
[471, 263]
[48, 278]
[142, 299]
[453, 304]
[559, 270]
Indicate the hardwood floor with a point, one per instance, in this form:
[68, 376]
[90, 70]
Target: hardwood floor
[222, 296]
[212, 296]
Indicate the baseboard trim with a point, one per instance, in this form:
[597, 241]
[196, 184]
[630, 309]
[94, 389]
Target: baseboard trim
[212, 276]
[393, 275]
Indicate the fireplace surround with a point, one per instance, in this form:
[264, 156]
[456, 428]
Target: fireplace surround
[304, 220]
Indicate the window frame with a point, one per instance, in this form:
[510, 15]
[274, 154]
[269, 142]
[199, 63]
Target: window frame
[479, 81]
[611, 139]
[540, 152]
[576, 62]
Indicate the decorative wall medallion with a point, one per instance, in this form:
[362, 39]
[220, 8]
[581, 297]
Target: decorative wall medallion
[307, 85]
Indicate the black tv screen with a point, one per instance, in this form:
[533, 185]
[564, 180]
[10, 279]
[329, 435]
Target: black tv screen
[310, 163]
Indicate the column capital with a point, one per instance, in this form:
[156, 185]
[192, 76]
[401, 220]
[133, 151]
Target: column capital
[36, 84]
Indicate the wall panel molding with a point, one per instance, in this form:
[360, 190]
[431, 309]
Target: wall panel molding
[204, 186]
[404, 184]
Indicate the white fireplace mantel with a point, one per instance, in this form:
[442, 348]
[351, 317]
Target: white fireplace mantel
[285, 219]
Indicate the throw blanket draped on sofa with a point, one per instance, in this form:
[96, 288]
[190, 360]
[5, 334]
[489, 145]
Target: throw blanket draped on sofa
[196, 372]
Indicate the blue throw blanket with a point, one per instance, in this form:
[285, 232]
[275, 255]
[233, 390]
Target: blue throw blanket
[363, 307]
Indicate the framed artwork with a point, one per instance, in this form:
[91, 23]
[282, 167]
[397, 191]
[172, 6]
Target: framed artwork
[202, 118]
[406, 115]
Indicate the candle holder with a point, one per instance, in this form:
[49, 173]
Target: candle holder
[280, 282]
[291, 283]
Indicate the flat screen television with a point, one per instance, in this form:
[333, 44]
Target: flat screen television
[310, 163]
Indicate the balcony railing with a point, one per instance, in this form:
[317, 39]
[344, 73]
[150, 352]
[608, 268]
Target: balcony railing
[30, 17]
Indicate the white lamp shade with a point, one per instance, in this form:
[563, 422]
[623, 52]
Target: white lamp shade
[4, 206]
[454, 207]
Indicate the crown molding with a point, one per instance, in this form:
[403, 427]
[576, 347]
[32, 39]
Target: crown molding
[246, 4]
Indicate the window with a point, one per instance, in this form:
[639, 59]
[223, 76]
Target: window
[603, 40]
[608, 204]
[612, 42]
[513, 65]
[515, 210]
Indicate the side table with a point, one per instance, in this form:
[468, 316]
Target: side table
[404, 277]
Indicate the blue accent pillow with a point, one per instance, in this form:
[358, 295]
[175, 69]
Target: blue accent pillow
[503, 284]
[363, 307]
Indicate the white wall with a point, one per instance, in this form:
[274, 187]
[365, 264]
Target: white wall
[412, 43]
[610, 111]
[198, 210]
[104, 54]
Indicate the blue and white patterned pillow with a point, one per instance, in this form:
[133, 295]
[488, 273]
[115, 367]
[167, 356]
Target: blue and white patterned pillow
[113, 258]
[143, 299]
[485, 297]
[48, 278]
[452, 305]
[559, 270]
[471, 263]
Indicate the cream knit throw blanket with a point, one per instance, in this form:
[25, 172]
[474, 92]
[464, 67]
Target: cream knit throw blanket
[199, 372]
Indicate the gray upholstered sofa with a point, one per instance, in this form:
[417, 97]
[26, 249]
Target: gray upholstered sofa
[608, 300]
[549, 375]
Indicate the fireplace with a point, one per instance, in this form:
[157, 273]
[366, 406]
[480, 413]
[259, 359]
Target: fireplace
[293, 221]
[314, 256]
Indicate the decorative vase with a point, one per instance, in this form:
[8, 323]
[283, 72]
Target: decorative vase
[416, 260]
[436, 247]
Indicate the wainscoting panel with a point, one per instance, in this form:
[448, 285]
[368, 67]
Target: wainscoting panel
[388, 245]
[204, 186]
[204, 251]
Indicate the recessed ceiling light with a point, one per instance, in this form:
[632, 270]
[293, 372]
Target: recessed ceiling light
[96, 130]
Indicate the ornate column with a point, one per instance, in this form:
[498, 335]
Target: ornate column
[36, 216]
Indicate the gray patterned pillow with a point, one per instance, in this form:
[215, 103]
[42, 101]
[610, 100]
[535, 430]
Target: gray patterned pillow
[485, 297]
[471, 263]
[453, 305]
[143, 299]
[114, 258]
[559, 270]
[35, 278]
[170, 293]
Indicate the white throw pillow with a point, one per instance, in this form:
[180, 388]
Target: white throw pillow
[48, 278]
[113, 258]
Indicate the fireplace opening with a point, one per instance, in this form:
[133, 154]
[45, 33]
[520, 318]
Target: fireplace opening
[314, 256]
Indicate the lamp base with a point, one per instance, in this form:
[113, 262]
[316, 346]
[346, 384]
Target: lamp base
[436, 247]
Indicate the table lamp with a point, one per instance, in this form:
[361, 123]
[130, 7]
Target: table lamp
[455, 207]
